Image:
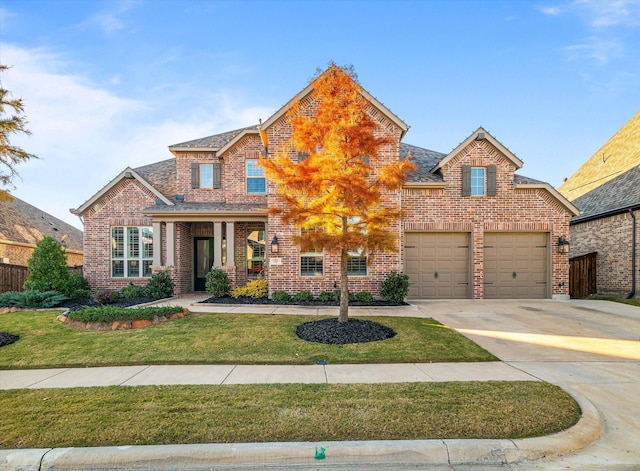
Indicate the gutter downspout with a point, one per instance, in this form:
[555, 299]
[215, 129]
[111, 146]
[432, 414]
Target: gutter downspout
[632, 293]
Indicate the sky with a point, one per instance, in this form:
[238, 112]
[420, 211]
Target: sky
[111, 84]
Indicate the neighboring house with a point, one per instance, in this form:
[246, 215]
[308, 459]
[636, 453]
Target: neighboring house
[607, 191]
[473, 229]
[22, 226]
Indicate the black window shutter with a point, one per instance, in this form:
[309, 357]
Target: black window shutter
[491, 180]
[217, 180]
[195, 175]
[466, 180]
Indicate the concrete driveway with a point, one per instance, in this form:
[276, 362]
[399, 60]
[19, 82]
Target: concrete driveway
[592, 347]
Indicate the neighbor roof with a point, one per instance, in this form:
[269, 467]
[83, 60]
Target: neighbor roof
[23, 223]
[213, 142]
[618, 155]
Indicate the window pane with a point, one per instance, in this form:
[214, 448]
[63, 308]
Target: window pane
[311, 265]
[357, 266]
[117, 242]
[256, 186]
[146, 268]
[206, 175]
[117, 268]
[133, 242]
[477, 181]
[147, 242]
[253, 169]
[133, 268]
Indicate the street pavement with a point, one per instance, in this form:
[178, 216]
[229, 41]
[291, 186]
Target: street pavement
[589, 348]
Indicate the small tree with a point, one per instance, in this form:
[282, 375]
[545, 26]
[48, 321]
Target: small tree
[14, 123]
[47, 267]
[336, 195]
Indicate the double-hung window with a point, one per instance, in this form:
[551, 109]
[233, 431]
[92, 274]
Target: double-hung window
[311, 263]
[479, 181]
[131, 252]
[256, 182]
[357, 263]
[206, 175]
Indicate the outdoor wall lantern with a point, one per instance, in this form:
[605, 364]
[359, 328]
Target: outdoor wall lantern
[275, 247]
[563, 245]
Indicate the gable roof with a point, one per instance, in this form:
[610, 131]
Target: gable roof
[618, 155]
[309, 88]
[23, 223]
[151, 177]
[477, 135]
[214, 142]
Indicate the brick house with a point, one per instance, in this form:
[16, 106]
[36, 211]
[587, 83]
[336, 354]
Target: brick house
[606, 188]
[22, 226]
[474, 228]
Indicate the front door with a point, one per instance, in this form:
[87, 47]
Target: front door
[202, 261]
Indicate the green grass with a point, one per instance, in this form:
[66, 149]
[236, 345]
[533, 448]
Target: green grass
[147, 415]
[46, 342]
[632, 301]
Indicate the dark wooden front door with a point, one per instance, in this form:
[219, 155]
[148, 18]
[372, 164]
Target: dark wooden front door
[202, 261]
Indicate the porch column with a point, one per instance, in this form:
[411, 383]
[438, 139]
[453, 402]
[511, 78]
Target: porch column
[157, 244]
[217, 244]
[231, 261]
[171, 244]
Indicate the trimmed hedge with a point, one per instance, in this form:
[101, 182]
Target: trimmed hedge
[111, 313]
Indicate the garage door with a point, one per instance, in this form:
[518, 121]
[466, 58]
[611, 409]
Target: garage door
[515, 265]
[437, 264]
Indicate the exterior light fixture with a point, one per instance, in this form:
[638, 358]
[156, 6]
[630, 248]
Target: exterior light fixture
[563, 245]
[275, 247]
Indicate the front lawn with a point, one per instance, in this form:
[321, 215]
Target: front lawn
[46, 342]
[152, 415]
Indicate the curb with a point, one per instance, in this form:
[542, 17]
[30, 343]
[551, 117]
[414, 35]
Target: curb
[276, 455]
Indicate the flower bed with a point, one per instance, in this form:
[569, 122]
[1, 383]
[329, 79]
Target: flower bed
[136, 320]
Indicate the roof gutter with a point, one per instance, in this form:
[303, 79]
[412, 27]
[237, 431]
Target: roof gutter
[632, 293]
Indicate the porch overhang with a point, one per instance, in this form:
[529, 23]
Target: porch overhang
[207, 212]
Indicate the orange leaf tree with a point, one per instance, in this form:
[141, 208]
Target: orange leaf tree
[339, 194]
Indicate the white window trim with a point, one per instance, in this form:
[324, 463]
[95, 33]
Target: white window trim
[484, 182]
[125, 259]
[253, 177]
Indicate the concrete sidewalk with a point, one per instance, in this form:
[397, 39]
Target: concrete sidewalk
[589, 348]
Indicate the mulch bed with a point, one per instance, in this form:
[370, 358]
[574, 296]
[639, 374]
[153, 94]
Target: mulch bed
[330, 331]
[7, 339]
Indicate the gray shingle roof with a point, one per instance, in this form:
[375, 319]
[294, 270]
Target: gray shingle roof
[161, 175]
[214, 142]
[425, 159]
[26, 224]
[617, 194]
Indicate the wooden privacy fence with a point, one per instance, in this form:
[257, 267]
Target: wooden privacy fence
[582, 275]
[12, 276]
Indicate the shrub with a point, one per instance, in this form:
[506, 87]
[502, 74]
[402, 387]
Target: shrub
[160, 285]
[326, 296]
[395, 287]
[217, 283]
[303, 296]
[133, 291]
[103, 296]
[47, 267]
[364, 297]
[76, 287]
[337, 294]
[280, 296]
[31, 299]
[112, 313]
[254, 289]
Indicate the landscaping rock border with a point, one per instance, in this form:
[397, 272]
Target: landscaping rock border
[122, 325]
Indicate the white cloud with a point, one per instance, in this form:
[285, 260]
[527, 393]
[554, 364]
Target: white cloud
[85, 134]
[605, 14]
[596, 49]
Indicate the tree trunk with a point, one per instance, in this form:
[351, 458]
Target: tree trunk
[344, 287]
